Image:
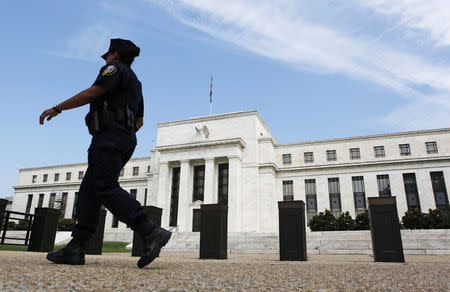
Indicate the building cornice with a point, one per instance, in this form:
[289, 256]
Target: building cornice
[84, 164]
[363, 138]
[71, 184]
[186, 146]
[353, 164]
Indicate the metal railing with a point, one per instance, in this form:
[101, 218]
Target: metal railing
[28, 224]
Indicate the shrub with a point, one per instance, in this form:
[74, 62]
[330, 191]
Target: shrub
[437, 219]
[362, 221]
[324, 221]
[414, 219]
[66, 224]
[344, 222]
[11, 225]
[22, 225]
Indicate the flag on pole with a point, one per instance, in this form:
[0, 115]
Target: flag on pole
[210, 90]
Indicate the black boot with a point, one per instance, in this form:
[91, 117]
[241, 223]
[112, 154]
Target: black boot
[153, 239]
[72, 254]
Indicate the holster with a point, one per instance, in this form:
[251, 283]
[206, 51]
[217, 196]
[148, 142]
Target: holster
[98, 121]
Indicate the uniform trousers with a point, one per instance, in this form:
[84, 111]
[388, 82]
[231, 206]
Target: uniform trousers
[108, 153]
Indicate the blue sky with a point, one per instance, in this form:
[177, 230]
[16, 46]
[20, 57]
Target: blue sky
[313, 69]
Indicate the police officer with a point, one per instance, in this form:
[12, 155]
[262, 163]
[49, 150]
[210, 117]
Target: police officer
[116, 113]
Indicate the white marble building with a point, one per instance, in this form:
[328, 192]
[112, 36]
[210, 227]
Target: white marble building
[233, 158]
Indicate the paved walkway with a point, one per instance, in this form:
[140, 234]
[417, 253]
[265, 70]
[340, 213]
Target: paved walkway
[23, 271]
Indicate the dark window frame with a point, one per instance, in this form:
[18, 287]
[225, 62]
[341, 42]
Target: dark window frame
[288, 190]
[359, 192]
[68, 175]
[223, 184]
[80, 174]
[355, 153]
[411, 190]
[135, 170]
[331, 155]
[378, 151]
[384, 185]
[286, 158]
[431, 147]
[405, 149]
[334, 191]
[56, 177]
[34, 178]
[198, 189]
[308, 157]
[45, 177]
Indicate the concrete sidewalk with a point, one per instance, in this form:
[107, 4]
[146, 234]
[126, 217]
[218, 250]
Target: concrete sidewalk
[249, 272]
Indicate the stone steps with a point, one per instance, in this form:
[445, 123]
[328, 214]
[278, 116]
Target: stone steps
[331, 242]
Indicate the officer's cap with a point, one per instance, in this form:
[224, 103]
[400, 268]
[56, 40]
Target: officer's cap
[120, 45]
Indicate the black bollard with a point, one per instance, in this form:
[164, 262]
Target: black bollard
[3, 204]
[292, 230]
[95, 243]
[385, 230]
[154, 214]
[43, 230]
[213, 231]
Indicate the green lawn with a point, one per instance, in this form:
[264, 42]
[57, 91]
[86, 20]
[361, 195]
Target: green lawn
[108, 246]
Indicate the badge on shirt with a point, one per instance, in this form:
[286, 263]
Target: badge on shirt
[110, 70]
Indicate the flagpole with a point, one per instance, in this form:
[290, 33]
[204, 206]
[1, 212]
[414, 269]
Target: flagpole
[210, 96]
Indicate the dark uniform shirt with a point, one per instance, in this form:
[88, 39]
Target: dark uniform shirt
[122, 88]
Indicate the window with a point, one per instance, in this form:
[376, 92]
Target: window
[223, 184]
[68, 175]
[354, 153]
[74, 209]
[62, 205]
[359, 194]
[121, 172]
[287, 159]
[174, 196]
[288, 190]
[145, 197]
[431, 147]
[56, 177]
[196, 217]
[412, 195]
[30, 199]
[80, 174]
[384, 186]
[404, 149]
[309, 157]
[33, 180]
[133, 193]
[311, 198]
[51, 202]
[41, 200]
[439, 189]
[148, 168]
[335, 196]
[115, 222]
[135, 170]
[331, 155]
[378, 151]
[44, 179]
[199, 183]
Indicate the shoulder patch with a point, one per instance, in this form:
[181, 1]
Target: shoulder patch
[110, 70]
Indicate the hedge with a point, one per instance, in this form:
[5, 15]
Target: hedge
[413, 219]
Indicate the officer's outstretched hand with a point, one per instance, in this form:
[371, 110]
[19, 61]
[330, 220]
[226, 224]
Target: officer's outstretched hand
[49, 114]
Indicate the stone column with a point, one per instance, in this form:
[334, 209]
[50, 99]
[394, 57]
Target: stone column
[234, 194]
[184, 198]
[209, 182]
[163, 199]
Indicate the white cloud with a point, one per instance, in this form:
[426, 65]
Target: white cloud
[89, 43]
[277, 30]
[430, 16]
